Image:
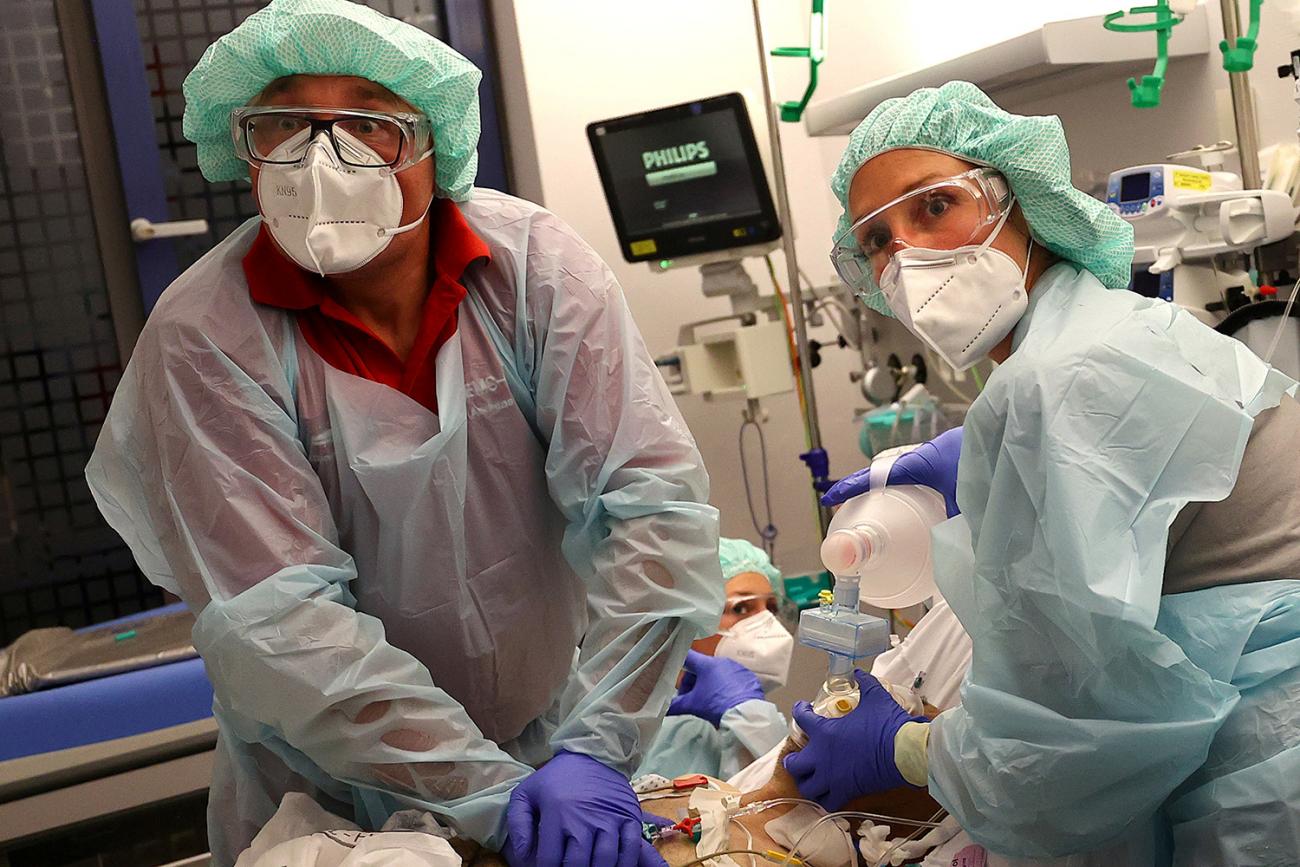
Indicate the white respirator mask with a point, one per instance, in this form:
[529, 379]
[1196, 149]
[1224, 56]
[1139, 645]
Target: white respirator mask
[961, 302]
[329, 217]
[761, 644]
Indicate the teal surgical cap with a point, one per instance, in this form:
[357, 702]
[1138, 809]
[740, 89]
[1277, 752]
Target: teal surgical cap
[959, 118]
[738, 556]
[334, 37]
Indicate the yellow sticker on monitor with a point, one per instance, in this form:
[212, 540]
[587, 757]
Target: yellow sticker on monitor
[739, 232]
[641, 248]
[1190, 179]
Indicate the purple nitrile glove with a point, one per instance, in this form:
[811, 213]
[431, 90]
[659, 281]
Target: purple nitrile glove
[852, 755]
[573, 810]
[932, 464]
[712, 686]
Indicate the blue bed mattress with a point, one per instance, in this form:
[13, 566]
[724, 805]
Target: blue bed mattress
[104, 709]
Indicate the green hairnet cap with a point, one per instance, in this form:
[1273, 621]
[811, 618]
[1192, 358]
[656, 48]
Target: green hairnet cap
[334, 37]
[738, 556]
[960, 119]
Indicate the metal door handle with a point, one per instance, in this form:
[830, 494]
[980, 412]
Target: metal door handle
[143, 229]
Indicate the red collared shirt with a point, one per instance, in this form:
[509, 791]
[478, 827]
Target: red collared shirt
[341, 338]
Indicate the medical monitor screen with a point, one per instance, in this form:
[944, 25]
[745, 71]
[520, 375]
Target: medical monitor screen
[1135, 187]
[684, 180]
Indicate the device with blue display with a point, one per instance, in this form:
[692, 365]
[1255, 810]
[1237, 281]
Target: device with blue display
[1190, 229]
[1138, 191]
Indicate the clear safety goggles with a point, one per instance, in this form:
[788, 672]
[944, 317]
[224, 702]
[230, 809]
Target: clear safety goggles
[281, 135]
[944, 215]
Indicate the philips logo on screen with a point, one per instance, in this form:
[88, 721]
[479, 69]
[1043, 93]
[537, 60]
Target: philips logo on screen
[685, 162]
[675, 156]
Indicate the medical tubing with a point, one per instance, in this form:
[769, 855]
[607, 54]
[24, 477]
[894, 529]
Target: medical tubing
[760, 806]
[749, 837]
[895, 616]
[768, 532]
[802, 381]
[831, 301]
[749, 810]
[854, 814]
[790, 857]
[795, 360]
[704, 859]
[884, 860]
[835, 313]
[908, 839]
[1281, 326]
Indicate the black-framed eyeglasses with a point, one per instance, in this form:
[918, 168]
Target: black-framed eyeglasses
[281, 135]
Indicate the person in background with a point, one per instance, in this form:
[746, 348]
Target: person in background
[1126, 557]
[720, 720]
[399, 446]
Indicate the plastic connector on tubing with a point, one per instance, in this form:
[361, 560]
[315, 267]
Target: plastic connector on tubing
[847, 550]
[843, 551]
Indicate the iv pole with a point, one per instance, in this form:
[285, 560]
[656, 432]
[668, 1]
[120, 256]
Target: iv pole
[1243, 107]
[815, 457]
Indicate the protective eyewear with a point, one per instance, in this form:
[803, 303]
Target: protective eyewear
[282, 135]
[944, 215]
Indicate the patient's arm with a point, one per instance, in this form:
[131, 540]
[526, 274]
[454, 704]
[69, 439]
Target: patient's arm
[905, 802]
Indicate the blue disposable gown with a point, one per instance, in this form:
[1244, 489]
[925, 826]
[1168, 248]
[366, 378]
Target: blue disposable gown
[1098, 713]
[389, 600]
[689, 745]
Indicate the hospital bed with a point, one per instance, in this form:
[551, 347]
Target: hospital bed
[88, 755]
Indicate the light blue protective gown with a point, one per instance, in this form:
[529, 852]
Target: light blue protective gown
[389, 600]
[689, 745]
[1097, 712]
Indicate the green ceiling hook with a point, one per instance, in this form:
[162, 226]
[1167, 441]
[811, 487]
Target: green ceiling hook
[1241, 57]
[792, 112]
[1146, 93]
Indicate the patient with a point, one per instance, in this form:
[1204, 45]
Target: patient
[925, 670]
[749, 832]
[904, 803]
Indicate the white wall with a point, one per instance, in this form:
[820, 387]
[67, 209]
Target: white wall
[586, 60]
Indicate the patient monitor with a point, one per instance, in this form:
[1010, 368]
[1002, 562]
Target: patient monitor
[686, 188]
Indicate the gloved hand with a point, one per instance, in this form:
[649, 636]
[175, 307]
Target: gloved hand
[575, 811]
[932, 464]
[852, 755]
[712, 686]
